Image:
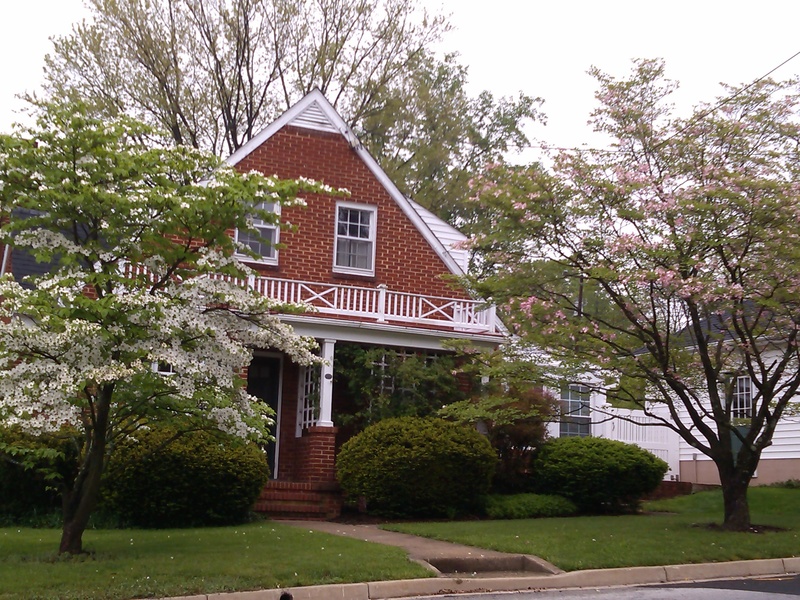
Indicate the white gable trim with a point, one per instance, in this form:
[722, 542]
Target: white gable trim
[314, 111]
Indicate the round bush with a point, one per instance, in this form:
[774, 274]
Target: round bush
[598, 475]
[411, 466]
[200, 478]
[528, 506]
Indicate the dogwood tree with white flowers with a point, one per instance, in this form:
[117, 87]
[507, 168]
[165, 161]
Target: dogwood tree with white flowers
[141, 271]
[671, 260]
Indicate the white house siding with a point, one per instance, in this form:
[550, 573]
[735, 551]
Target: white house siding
[779, 462]
[635, 427]
[631, 427]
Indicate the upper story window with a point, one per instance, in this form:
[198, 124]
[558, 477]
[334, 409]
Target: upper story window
[355, 239]
[164, 368]
[742, 401]
[265, 236]
[575, 419]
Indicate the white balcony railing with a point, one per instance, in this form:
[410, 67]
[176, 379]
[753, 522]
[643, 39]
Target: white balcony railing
[381, 304]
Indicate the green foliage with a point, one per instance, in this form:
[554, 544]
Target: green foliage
[134, 241]
[510, 404]
[432, 137]
[160, 479]
[212, 74]
[789, 484]
[528, 506]
[411, 466]
[662, 264]
[598, 475]
[385, 383]
[33, 471]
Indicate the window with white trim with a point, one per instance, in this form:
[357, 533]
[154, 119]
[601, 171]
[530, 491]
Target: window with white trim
[164, 368]
[575, 420]
[742, 400]
[264, 237]
[354, 251]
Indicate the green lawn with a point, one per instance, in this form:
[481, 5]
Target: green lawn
[126, 564]
[634, 540]
[143, 563]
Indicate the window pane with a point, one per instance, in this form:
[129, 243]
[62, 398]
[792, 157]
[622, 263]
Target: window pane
[742, 405]
[262, 242]
[354, 254]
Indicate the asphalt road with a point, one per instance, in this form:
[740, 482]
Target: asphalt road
[761, 588]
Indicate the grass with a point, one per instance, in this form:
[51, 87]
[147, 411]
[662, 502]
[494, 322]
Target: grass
[637, 540]
[126, 564]
[130, 563]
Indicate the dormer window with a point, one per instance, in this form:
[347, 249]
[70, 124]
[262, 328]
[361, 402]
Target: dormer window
[264, 238]
[354, 252]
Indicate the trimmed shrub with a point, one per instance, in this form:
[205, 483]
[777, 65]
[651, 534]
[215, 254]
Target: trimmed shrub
[528, 506]
[598, 475]
[421, 467]
[32, 468]
[199, 478]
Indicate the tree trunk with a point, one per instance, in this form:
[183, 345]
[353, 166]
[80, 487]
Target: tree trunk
[735, 473]
[737, 509]
[81, 500]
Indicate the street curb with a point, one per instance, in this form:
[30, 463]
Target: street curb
[386, 590]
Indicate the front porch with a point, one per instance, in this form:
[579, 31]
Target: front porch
[302, 461]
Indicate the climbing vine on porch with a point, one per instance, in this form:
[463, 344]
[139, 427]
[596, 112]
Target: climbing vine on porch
[392, 382]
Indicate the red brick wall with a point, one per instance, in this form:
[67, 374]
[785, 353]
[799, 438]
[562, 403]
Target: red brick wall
[309, 458]
[289, 457]
[404, 261]
[318, 448]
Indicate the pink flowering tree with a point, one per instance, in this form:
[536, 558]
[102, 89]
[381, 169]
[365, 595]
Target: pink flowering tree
[670, 263]
[141, 270]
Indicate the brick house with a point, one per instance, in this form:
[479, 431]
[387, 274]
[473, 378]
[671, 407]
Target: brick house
[374, 266]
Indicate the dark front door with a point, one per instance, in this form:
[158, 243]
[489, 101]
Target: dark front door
[264, 382]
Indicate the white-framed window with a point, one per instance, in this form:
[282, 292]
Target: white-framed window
[742, 400]
[162, 368]
[354, 249]
[264, 238]
[575, 419]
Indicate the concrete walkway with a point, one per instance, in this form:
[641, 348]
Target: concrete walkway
[464, 569]
[443, 558]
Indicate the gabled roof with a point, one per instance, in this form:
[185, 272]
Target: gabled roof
[314, 112]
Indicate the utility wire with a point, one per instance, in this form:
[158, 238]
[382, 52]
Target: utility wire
[694, 120]
[724, 101]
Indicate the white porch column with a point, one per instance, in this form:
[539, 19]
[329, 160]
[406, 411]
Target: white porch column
[326, 385]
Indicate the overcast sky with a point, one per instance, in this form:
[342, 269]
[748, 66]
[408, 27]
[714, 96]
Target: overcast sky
[541, 48]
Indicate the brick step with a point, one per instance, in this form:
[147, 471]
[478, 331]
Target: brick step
[294, 500]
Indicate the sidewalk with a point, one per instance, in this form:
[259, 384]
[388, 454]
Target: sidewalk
[464, 569]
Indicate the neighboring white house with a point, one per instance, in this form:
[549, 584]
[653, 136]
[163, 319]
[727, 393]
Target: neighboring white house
[585, 412]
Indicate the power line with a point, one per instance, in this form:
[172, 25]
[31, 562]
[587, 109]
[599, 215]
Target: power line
[724, 101]
[693, 121]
